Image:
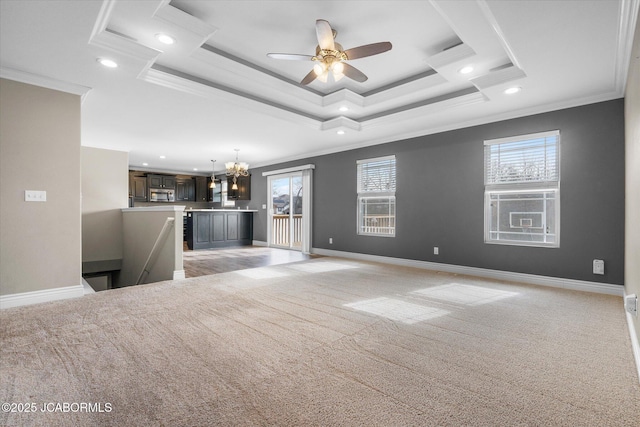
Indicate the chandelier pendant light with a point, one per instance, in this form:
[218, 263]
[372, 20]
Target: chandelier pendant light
[236, 169]
[213, 175]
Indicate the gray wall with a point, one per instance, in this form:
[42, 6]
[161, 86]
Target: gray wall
[440, 197]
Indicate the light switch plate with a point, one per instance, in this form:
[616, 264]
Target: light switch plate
[35, 196]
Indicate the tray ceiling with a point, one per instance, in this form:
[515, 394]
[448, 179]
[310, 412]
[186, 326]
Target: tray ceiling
[215, 89]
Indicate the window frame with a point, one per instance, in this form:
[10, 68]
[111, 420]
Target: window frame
[368, 194]
[523, 187]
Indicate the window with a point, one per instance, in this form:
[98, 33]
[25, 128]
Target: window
[522, 190]
[377, 196]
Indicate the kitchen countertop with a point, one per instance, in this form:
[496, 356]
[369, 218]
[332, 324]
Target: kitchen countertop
[221, 210]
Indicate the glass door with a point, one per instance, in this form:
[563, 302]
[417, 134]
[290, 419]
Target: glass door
[286, 211]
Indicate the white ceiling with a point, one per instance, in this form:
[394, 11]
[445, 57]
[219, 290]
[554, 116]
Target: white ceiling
[215, 89]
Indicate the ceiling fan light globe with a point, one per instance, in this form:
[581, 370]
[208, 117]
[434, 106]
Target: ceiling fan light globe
[318, 69]
[337, 67]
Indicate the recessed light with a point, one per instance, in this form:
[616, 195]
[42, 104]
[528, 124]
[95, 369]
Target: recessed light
[145, 164]
[344, 108]
[340, 132]
[163, 38]
[466, 70]
[163, 157]
[107, 62]
[513, 90]
[195, 169]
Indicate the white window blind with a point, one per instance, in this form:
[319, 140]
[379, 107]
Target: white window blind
[377, 175]
[524, 159]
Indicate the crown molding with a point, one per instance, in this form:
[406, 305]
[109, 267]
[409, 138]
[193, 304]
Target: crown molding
[341, 123]
[450, 56]
[493, 22]
[498, 77]
[629, 11]
[44, 81]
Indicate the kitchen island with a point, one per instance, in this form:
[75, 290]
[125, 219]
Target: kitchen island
[219, 228]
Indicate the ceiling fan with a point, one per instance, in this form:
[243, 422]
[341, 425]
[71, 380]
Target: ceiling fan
[330, 57]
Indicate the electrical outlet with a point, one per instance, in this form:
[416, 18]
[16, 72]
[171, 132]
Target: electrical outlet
[598, 266]
[436, 250]
[631, 304]
[331, 240]
[35, 196]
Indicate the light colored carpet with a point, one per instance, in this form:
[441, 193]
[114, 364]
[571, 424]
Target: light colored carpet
[323, 342]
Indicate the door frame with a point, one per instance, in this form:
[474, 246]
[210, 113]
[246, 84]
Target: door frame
[307, 206]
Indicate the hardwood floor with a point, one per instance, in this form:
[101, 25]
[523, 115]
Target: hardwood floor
[204, 262]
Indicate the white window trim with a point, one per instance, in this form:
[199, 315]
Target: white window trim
[374, 195]
[526, 187]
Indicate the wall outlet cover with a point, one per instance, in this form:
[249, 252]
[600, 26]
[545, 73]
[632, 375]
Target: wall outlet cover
[631, 304]
[598, 266]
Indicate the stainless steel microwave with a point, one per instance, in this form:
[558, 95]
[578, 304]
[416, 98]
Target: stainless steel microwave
[162, 195]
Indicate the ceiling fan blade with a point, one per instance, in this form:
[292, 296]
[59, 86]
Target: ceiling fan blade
[353, 73]
[309, 78]
[290, 56]
[325, 35]
[367, 50]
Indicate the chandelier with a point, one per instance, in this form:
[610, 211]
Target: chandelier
[212, 184]
[236, 169]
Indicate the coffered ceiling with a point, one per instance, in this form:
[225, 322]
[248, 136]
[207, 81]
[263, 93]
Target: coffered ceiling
[215, 89]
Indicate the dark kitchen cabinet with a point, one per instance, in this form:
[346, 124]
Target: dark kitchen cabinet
[138, 188]
[185, 190]
[202, 188]
[244, 188]
[161, 181]
[217, 229]
[203, 191]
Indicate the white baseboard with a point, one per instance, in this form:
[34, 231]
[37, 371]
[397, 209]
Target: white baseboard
[86, 287]
[578, 285]
[36, 297]
[259, 243]
[635, 346]
[179, 275]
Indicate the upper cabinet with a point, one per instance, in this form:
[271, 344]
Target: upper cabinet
[161, 181]
[138, 187]
[244, 188]
[202, 188]
[185, 190]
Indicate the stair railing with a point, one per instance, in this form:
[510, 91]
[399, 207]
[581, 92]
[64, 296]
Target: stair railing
[153, 255]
